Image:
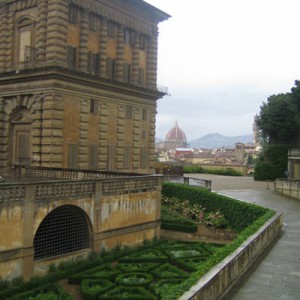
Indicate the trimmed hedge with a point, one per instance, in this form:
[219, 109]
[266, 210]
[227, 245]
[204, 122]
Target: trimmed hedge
[48, 292]
[239, 214]
[199, 169]
[128, 293]
[92, 288]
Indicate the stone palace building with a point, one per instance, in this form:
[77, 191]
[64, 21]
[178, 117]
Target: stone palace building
[78, 99]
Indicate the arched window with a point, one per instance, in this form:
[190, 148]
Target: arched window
[20, 137]
[26, 41]
[63, 231]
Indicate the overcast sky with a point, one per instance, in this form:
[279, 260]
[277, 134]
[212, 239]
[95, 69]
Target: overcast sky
[221, 59]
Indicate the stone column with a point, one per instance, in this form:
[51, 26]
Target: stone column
[120, 54]
[83, 129]
[151, 71]
[53, 122]
[152, 122]
[41, 31]
[3, 36]
[57, 26]
[37, 131]
[4, 135]
[9, 36]
[83, 49]
[102, 47]
[135, 59]
[103, 139]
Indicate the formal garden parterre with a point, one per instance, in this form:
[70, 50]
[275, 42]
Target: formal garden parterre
[157, 270]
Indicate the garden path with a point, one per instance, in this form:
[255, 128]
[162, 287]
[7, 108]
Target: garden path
[277, 275]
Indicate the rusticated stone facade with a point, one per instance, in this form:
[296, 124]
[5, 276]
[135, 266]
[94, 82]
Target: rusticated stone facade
[78, 84]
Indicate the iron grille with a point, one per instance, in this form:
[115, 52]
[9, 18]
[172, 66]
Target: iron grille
[63, 231]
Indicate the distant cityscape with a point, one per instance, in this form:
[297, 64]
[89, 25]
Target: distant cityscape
[210, 151]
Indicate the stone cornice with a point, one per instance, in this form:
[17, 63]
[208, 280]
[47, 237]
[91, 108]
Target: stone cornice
[78, 78]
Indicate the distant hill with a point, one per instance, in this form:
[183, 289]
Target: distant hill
[216, 140]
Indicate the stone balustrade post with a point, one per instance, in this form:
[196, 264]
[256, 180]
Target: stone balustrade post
[28, 234]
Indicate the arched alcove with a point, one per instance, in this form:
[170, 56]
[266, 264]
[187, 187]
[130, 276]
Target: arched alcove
[64, 230]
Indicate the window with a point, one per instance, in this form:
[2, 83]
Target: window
[144, 158]
[25, 40]
[145, 114]
[111, 159]
[141, 77]
[93, 63]
[127, 157]
[112, 30]
[93, 157]
[93, 22]
[126, 72]
[93, 106]
[73, 14]
[126, 36]
[142, 42]
[72, 156]
[110, 68]
[71, 56]
[128, 112]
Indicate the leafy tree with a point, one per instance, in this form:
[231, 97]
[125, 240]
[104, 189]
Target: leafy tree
[279, 119]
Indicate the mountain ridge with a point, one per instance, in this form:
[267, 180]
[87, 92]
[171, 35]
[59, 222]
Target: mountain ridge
[216, 140]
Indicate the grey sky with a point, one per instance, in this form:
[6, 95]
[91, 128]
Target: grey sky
[222, 59]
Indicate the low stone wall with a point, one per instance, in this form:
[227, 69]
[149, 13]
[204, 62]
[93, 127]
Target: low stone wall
[218, 281]
[288, 187]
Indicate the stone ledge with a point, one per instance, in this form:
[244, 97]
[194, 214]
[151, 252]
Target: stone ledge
[218, 281]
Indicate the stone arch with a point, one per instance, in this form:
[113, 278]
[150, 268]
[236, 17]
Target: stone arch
[65, 230]
[16, 110]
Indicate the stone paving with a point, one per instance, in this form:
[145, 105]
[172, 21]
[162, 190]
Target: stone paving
[277, 275]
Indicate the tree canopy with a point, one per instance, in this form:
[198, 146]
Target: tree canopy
[279, 119]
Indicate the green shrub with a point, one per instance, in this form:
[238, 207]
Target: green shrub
[168, 270]
[91, 288]
[272, 163]
[199, 169]
[47, 292]
[128, 293]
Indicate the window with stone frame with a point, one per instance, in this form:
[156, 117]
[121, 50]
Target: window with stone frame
[141, 77]
[145, 114]
[144, 157]
[93, 63]
[142, 42]
[110, 68]
[93, 157]
[94, 106]
[93, 22]
[73, 14]
[127, 157]
[128, 112]
[126, 72]
[112, 30]
[25, 40]
[73, 156]
[71, 56]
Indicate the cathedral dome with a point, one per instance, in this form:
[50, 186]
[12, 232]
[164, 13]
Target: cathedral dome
[176, 135]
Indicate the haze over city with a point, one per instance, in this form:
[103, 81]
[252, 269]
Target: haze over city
[221, 59]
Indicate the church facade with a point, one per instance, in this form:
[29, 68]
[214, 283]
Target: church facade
[78, 84]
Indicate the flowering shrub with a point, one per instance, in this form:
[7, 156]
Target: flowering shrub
[216, 219]
[195, 212]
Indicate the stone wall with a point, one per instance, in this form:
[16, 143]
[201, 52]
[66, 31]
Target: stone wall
[288, 187]
[121, 211]
[217, 282]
